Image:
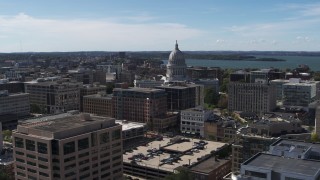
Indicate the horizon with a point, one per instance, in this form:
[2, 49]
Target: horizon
[141, 26]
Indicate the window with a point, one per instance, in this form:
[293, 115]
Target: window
[21, 174]
[116, 158]
[44, 174]
[83, 154]
[19, 153]
[32, 163]
[56, 168]
[31, 156]
[56, 175]
[55, 147]
[84, 176]
[104, 155]
[94, 139]
[84, 169]
[105, 175]
[30, 145]
[69, 147]
[32, 178]
[105, 168]
[21, 167]
[69, 159]
[104, 162]
[104, 138]
[42, 148]
[116, 134]
[42, 159]
[70, 174]
[83, 144]
[20, 160]
[43, 167]
[32, 170]
[70, 166]
[19, 142]
[83, 162]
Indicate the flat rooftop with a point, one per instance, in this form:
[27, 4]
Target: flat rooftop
[281, 164]
[99, 96]
[136, 89]
[209, 165]
[156, 163]
[66, 124]
[128, 125]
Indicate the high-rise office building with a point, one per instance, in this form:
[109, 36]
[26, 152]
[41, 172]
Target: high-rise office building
[68, 146]
[251, 97]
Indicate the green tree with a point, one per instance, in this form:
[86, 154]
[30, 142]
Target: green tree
[110, 87]
[211, 97]
[7, 135]
[314, 137]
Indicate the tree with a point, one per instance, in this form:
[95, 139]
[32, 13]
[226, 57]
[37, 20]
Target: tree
[211, 97]
[7, 135]
[314, 137]
[110, 87]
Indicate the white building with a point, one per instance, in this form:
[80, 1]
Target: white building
[271, 167]
[297, 93]
[192, 120]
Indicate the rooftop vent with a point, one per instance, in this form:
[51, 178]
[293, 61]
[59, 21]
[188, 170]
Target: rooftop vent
[85, 116]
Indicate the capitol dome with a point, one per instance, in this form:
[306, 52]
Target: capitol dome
[176, 67]
[176, 57]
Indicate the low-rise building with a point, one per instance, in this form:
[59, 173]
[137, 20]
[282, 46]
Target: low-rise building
[166, 122]
[211, 169]
[192, 120]
[272, 167]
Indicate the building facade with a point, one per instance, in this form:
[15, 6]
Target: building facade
[68, 146]
[54, 97]
[251, 97]
[139, 104]
[89, 90]
[192, 120]
[17, 104]
[99, 104]
[299, 94]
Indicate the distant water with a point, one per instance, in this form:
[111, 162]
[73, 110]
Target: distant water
[291, 62]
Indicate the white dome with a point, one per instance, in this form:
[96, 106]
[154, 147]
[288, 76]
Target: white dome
[176, 57]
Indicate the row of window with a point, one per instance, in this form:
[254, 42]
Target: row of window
[31, 145]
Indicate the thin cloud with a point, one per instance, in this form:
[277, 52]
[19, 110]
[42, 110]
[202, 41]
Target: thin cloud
[38, 34]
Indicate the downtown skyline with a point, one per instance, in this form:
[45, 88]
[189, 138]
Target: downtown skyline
[142, 25]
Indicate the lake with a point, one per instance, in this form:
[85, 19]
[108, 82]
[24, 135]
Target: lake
[291, 62]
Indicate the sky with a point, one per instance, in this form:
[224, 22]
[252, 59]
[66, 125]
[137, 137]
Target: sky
[155, 25]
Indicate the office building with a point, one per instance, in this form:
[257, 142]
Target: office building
[251, 97]
[147, 83]
[54, 97]
[180, 97]
[17, 104]
[99, 104]
[12, 87]
[139, 104]
[297, 93]
[192, 120]
[68, 146]
[197, 72]
[278, 83]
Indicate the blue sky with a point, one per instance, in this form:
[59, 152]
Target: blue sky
[145, 25]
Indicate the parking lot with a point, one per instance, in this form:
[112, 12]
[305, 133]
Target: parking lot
[165, 156]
